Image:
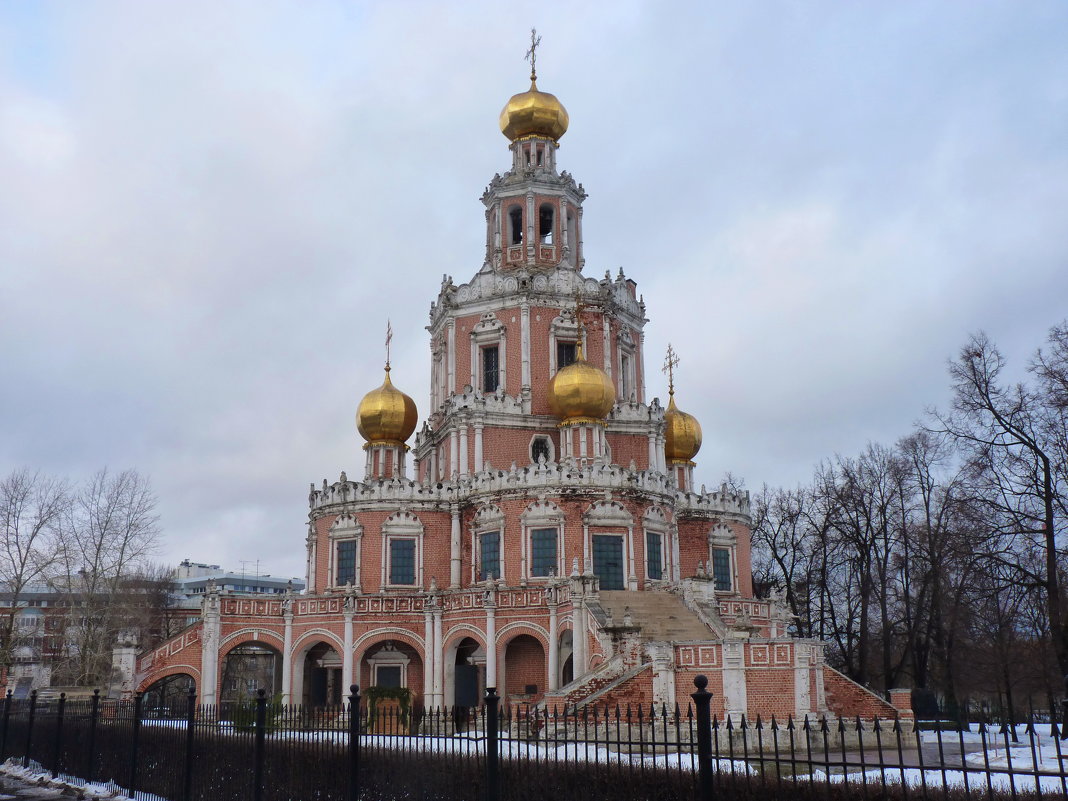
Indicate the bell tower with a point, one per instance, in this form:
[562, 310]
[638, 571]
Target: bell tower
[533, 212]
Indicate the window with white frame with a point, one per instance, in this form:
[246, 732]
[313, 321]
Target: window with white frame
[402, 550]
[346, 562]
[721, 569]
[489, 555]
[563, 341]
[402, 560]
[543, 551]
[541, 447]
[389, 667]
[654, 555]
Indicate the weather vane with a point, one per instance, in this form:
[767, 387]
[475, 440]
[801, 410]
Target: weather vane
[532, 54]
[389, 337]
[671, 361]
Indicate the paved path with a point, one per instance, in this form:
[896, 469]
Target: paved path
[12, 789]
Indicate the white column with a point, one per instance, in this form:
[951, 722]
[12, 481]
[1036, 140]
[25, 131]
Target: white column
[357, 566]
[454, 455]
[676, 570]
[491, 645]
[209, 649]
[369, 466]
[652, 452]
[607, 342]
[450, 332]
[578, 644]
[582, 440]
[309, 579]
[287, 652]
[430, 657]
[479, 463]
[661, 460]
[346, 657]
[454, 548]
[524, 312]
[439, 660]
[554, 644]
[632, 578]
[464, 461]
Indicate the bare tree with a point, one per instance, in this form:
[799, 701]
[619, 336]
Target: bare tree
[32, 506]
[1011, 438]
[110, 534]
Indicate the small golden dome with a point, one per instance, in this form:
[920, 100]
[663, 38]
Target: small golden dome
[581, 391]
[386, 415]
[534, 113]
[682, 436]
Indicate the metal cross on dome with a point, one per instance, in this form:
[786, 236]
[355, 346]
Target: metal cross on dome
[389, 337]
[532, 55]
[671, 361]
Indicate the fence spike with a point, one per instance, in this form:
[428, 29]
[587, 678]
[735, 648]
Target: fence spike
[859, 727]
[759, 723]
[897, 725]
[875, 724]
[823, 725]
[1053, 730]
[730, 723]
[806, 727]
[774, 725]
[715, 722]
[841, 725]
[678, 712]
[689, 711]
[790, 723]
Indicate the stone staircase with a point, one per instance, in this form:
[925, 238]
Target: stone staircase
[663, 617]
[846, 698]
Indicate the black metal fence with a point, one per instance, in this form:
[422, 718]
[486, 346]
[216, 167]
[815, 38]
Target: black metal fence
[263, 751]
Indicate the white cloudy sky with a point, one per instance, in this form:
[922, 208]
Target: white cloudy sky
[208, 209]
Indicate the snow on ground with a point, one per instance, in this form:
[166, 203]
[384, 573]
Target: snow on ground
[35, 774]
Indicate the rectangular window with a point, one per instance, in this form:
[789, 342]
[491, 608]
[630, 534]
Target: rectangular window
[565, 354]
[653, 560]
[542, 551]
[346, 562]
[624, 378]
[721, 568]
[402, 561]
[491, 368]
[388, 676]
[490, 550]
[608, 560]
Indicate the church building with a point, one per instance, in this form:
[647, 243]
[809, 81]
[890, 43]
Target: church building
[540, 529]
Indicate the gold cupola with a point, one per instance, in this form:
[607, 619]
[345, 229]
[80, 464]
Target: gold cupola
[581, 393]
[682, 432]
[533, 112]
[386, 415]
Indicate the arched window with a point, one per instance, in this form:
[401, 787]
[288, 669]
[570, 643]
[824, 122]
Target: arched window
[540, 449]
[515, 224]
[545, 224]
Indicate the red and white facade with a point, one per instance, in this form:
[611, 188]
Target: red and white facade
[508, 548]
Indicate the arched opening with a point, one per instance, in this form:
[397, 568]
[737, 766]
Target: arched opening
[545, 223]
[249, 667]
[469, 673]
[515, 225]
[322, 676]
[524, 670]
[168, 697]
[567, 660]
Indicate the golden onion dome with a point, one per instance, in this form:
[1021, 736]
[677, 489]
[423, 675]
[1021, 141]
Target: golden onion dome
[386, 415]
[534, 113]
[682, 436]
[581, 392]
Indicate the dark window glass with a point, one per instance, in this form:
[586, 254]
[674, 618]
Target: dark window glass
[721, 568]
[652, 555]
[539, 449]
[490, 368]
[542, 551]
[608, 560]
[388, 676]
[402, 561]
[515, 218]
[346, 562]
[565, 354]
[490, 549]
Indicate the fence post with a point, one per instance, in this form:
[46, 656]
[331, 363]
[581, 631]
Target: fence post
[260, 744]
[136, 742]
[492, 749]
[190, 721]
[94, 713]
[29, 729]
[354, 743]
[57, 751]
[7, 718]
[702, 700]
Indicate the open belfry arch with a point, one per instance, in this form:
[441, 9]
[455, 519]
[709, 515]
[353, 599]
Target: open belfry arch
[541, 530]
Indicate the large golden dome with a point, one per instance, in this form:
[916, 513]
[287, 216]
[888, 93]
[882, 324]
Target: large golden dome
[386, 415]
[533, 113]
[682, 436]
[581, 392]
